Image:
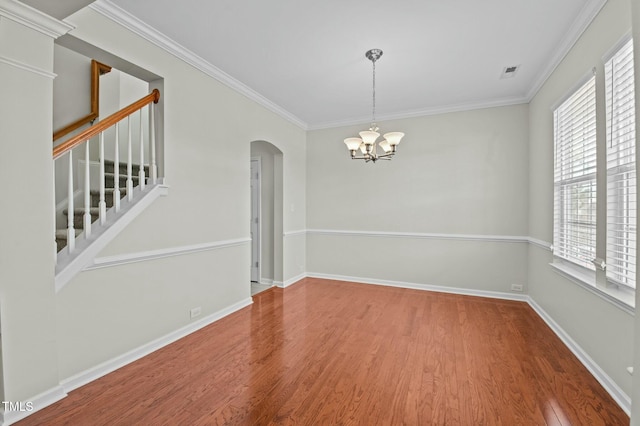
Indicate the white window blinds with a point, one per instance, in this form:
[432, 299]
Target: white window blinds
[621, 168]
[574, 233]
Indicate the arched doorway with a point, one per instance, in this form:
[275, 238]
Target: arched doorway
[266, 216]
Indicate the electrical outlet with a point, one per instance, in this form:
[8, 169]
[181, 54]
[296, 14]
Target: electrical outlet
[516, 287]
[194, 312]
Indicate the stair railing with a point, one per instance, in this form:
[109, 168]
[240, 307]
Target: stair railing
[99, 129]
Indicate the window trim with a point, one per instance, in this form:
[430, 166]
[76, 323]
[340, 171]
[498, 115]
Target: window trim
[594, 281]
[586, 79]
[619, 296]
[616, 170]
[579, 83]
[616, 47]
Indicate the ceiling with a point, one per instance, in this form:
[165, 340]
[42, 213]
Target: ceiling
[305, 59]
[58, 9]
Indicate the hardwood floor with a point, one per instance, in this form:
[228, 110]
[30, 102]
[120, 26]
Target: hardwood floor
[326, 352]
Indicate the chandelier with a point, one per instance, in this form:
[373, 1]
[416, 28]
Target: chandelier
[366, 143]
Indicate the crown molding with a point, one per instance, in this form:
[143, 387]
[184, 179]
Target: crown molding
[135, 25]
[130, 22]
[33, 18]
[579, 25]
[466, 106]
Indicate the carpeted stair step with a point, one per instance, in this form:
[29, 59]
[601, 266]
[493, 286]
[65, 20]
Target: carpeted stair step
[78, 219]
[61, 238]
[109, 179]
[108, 196]
[78, 216]
[109, 167]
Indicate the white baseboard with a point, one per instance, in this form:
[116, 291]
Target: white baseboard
[265, 281]
[69, 384]
[107, 367]
[623, 400]
[415, 286]
[292, 280]
[39, 402]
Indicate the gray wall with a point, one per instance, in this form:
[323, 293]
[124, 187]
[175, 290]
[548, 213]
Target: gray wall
[602, 329]
[71, 87]
[460, 174]
[27, 299]
[104, 313]
[207, 150]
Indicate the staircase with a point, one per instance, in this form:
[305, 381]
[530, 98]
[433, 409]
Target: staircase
[109, 182]
[101, 215]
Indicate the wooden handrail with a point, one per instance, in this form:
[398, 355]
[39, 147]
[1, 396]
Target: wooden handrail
[97, 69]
[103, 125]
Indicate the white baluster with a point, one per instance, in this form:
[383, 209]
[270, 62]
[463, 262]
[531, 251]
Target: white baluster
[116, 171]
[102, 205]
[87, 193]
[152, 142]
[129, 180]
[71, 233]
[141, 166]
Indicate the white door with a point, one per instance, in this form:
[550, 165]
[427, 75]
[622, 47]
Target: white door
[255, 219]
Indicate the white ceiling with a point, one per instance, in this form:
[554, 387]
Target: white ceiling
[58, 9]
[306, 58]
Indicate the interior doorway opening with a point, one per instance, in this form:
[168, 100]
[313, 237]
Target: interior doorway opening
[266, 216]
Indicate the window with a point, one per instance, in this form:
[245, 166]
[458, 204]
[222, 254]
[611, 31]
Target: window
[621, 168]
[574, 234]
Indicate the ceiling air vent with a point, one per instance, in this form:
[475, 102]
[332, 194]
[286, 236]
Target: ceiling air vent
[510, 71]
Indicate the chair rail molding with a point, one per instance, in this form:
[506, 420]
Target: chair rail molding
[144, 256]
[421, 235]
[26, 67]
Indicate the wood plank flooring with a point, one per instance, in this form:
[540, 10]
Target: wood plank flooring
[326, 352]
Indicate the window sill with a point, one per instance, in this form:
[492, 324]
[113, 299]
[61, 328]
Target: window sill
[620, 297]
